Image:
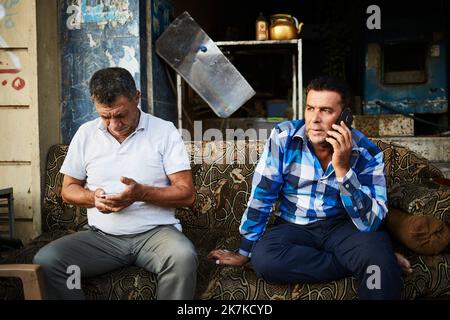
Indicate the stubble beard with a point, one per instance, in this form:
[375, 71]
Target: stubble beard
[322, 142]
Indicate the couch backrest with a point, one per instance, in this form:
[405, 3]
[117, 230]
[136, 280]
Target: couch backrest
[222, 174]
[404, 165]
[55, 213]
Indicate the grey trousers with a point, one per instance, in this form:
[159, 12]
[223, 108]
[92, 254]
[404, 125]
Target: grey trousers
[163, 250]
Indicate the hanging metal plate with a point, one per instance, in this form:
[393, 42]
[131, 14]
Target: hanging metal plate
[192, 53]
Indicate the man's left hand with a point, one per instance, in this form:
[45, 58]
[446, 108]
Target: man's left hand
[341, 140]
[131, 194]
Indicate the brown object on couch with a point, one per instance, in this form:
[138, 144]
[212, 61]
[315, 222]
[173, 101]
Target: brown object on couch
[423, 234]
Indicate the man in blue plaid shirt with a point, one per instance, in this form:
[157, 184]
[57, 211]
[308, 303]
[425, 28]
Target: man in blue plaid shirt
[330, 183]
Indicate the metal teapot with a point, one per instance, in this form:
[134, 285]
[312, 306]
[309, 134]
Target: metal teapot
[284, 27]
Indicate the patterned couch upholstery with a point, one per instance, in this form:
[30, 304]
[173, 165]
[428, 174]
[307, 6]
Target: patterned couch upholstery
[222, 174]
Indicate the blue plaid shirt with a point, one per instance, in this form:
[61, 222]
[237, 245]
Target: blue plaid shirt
[290, 172]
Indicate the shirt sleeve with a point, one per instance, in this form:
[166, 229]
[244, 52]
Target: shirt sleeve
[266, 184]
[73, 164]
[175, 156]
[364, 195]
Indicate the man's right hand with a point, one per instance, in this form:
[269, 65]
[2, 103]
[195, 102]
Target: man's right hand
[228, 258]
[99, 202]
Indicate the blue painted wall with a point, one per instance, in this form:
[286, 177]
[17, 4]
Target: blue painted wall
[429, 97]
[95, 36]
[164, 97]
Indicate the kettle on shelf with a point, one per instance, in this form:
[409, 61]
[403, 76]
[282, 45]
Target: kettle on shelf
[284, 27]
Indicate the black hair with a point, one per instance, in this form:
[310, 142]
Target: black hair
[330, 83]
[108, 84]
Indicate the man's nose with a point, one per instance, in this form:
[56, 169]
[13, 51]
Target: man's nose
[114, 123]
[316, 116]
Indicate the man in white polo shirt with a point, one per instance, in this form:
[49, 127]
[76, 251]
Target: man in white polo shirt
[130, 169]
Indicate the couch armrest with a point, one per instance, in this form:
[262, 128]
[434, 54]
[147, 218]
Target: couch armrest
[31, 276]
[426, 198]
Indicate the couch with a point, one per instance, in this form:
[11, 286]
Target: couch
[222, 174]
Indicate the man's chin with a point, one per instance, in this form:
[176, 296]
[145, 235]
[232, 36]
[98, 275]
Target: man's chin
[119, 134]
[317, 140]
[320, 142]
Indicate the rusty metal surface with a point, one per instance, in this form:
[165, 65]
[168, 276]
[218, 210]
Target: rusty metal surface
[384, 125]
[431, 96]
[192, 53]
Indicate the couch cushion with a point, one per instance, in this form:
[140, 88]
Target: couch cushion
[222, 195]
[241, 283]
[55, 213]
[430, 278]
[129, 283]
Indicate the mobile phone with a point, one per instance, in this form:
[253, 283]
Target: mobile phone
[346, 116]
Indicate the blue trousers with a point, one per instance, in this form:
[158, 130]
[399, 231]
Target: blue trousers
[329, 250]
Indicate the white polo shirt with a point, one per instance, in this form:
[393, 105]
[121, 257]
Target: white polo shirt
[148, 155]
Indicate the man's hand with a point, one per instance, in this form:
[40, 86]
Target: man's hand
[118, 202]
[227, 257]
[99, 201]
[403, 263]
[341, 140]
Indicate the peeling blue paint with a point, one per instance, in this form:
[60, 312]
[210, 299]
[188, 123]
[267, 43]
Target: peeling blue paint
[94, 37]
[164, 99]
[93, 46]
[97, 12]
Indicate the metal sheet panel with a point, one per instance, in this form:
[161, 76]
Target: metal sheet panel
[192, 53]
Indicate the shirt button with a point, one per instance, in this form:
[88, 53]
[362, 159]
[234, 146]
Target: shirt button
[347, 185]
[355, 208]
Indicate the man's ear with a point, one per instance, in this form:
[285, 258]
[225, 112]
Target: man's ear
[137, 96]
